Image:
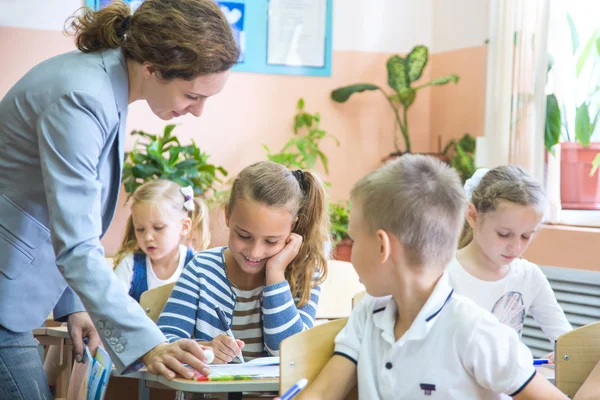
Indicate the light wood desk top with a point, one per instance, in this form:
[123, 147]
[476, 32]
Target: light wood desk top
[59, 332]
[185, 385]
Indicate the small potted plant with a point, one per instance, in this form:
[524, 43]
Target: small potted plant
[339, 213]
[403, 74]
[163, 157]
[303, 149]
[579, 189]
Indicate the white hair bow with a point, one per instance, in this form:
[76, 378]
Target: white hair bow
[474, 181]
[188, 193]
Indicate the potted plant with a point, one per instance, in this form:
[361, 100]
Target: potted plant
[303, 150]
[403, 74]
[461, 155]
[579, 189]
[163, 157]
[339, 213]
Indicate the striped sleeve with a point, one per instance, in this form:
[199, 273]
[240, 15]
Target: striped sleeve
[178, 317]
[281, 317]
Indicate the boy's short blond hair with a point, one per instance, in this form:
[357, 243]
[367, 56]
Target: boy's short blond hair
[418, 199]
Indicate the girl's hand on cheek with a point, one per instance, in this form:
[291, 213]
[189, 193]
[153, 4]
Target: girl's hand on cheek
[277, 264]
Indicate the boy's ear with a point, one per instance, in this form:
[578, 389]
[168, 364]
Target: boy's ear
[471, 215]
[383, 242]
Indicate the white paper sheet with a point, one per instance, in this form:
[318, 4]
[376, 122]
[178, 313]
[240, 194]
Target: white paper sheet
[296, 34]
[262, 367]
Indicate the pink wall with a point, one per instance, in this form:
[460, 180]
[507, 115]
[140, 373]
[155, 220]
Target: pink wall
[255, 109]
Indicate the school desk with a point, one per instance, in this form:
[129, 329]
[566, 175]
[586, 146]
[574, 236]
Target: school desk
[234, 389]
[58, 336]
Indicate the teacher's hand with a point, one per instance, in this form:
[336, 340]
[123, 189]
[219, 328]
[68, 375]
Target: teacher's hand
[80, 326]
[167, 359]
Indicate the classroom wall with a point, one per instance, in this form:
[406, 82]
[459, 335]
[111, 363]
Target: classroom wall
[254, 108]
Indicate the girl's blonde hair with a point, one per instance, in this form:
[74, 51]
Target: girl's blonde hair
[167, 193]
[181, 38]
[504, 183]
[302, 193]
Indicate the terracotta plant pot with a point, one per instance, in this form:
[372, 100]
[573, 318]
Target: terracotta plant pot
[579, 190]
[343, 250]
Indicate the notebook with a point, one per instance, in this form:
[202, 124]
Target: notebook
[259, 368]
[89, 378]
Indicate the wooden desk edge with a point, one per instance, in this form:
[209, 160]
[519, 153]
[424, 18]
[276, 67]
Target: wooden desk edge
[253, 385]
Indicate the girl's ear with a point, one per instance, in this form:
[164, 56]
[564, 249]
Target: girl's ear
[186, 227]
[227, 215]
[471, 215]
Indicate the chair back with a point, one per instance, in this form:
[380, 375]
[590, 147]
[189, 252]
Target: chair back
[577, 353]
[304, 354]
[153, 301]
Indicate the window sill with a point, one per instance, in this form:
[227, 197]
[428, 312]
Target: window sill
[585, 218]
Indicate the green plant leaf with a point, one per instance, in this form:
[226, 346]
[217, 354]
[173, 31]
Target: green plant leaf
[300, 104]
[168, 129]
[324, 161]
[553, 123]
[585, 53]
[582, 125]
[416, 62]
[574, 34]
[595, 164]
[407, 96]
[397, 74]
[342, 94]
[467, 143]
[440, 81]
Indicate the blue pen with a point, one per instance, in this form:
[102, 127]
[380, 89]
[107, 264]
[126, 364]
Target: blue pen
[541, 361]
[294, 390]
[225, 327]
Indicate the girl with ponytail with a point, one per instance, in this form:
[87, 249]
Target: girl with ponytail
[267, 280]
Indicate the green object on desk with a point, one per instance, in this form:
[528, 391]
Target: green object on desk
[231, 378]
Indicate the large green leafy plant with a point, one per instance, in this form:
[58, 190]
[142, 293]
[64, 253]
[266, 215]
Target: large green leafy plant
[403, 74]
[163, 157]
[303, 150]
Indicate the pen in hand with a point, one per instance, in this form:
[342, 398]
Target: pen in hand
[226, 328]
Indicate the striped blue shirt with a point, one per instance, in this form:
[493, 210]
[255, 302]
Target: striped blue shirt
[203, 284]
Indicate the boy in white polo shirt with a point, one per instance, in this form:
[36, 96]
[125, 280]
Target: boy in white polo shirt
[416, 338]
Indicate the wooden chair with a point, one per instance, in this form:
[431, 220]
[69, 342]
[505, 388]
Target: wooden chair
[358, 297]
[304, 354]
[577, 353]
[153, 301]
[338, 291]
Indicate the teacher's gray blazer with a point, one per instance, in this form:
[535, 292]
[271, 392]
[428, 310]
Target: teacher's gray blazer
[62, 131]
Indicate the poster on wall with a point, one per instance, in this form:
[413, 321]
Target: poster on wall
[286, 37]
[98, 4]
[296, 33]
[234, 12]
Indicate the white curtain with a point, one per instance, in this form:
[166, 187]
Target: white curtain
[516, 77]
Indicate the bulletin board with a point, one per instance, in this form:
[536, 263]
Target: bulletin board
[286, 37]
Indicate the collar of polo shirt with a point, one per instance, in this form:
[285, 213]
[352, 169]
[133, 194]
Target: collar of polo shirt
[385, 317]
